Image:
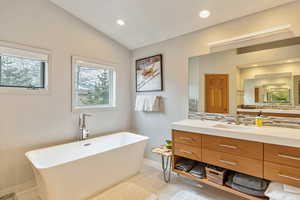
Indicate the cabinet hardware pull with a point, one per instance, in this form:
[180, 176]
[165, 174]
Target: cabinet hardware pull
[186, 138]
[288, 157]
[289, 177]
[228, 162]
[184, 151]
[228, 146]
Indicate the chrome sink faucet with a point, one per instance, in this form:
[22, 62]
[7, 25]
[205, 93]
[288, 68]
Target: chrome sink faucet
[84, 132]
[236, 121]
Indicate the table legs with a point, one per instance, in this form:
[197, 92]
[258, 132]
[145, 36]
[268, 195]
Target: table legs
[166, 167]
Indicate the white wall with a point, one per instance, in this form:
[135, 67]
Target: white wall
[28, 122]
[176, 53]
[224, 62]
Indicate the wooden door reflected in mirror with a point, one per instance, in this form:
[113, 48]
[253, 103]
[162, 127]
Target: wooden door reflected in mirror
[216, 93]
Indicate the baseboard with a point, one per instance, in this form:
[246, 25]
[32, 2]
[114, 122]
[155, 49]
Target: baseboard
[29, 194]
[18, 188]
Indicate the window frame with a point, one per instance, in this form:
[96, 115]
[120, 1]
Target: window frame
[112, 87]
[31, 53]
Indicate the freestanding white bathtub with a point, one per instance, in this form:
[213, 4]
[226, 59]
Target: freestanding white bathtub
[78, 170]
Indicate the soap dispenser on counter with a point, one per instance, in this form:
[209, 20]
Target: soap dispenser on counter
[259, 119]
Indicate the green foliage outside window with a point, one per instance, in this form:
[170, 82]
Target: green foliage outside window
[21, 72]
[93, 86]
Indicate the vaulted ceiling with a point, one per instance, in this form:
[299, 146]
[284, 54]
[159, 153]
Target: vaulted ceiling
[152, 21]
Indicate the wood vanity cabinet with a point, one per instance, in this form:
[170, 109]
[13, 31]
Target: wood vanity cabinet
[272, 162]
[238, 155]
[187, 138]
[289, 156]
[236, 147]
[282, 164]
[187, 151]
[236, 163]
[188, 145]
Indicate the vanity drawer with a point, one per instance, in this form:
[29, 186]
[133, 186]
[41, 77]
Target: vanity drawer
[233, 146]
[282, 155]
[187, 151]
[237, 163]
[282, 174]
[182, 137]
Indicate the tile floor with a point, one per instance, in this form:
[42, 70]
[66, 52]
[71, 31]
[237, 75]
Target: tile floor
[150, 182]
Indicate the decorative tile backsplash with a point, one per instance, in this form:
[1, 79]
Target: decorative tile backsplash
[248, 119]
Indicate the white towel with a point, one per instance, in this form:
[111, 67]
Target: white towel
[288, 188]
[139, 103]
[275, 192]
[148, 103]
[152, 104]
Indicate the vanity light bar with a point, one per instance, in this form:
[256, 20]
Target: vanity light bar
[251, 36]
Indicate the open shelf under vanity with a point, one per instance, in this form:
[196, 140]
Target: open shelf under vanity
[210, 183]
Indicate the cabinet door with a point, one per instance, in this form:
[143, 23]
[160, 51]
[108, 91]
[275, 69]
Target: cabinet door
[188, 151]
[183, 137]
[283, 155]
[216, 93]
[282, 174]
[236, 163]
[234, 146]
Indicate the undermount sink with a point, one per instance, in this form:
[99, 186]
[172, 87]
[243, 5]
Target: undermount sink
[236, 127]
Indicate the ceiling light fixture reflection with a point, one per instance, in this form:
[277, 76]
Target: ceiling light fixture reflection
[120, 22]
[204, 13]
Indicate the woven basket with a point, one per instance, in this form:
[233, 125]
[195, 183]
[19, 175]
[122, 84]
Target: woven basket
[216, 175]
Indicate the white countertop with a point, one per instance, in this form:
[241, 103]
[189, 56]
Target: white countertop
[269, 111]
[272, 135]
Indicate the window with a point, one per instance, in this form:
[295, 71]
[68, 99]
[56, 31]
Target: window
[22, 69]
[93, 85]
[21, 72]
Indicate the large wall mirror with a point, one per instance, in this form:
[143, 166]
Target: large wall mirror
[264, 77]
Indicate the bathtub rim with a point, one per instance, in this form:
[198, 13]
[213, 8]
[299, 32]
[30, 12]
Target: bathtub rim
[38, 167]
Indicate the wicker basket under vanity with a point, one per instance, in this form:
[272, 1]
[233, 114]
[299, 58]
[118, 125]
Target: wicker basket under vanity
[216, 174]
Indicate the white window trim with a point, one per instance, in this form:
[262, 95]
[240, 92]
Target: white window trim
[8, 48]
[100, 64]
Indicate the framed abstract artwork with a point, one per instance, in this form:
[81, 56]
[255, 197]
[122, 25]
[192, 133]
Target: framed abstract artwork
[149, 74]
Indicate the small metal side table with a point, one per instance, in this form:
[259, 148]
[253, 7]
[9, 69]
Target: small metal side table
[166, 161]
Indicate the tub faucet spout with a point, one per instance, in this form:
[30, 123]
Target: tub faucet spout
[84, 132]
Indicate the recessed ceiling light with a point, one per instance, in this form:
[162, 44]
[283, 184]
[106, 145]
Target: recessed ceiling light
[204, 13]
[120, 22]
[255, 65]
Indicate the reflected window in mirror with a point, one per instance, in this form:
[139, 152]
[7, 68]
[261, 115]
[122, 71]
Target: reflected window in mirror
[274, 85]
